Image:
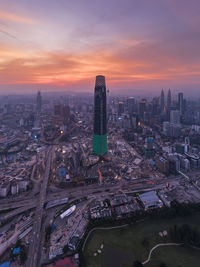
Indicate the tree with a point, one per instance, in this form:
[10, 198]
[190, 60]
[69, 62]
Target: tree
[185, 234]
[145, 242]
[19, 243]
[137, 264]
[48, 233]
[65, 249]
[23, 256]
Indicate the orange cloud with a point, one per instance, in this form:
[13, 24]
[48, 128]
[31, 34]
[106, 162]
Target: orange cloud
[61, 69]
[15, 18]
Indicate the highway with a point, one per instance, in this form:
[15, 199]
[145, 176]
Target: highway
[35, 239]
[13, 205]
[26, 201]
[18, 231]
[15, 212]
[83, 191]
[77, 192]
[73, 194]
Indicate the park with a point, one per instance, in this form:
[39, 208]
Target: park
[124, 245]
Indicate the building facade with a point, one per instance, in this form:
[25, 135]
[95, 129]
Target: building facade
[100, 120]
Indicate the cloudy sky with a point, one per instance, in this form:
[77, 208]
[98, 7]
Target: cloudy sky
[63, 44]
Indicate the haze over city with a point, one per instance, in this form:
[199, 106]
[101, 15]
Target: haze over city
[99, 133]
[140, 46]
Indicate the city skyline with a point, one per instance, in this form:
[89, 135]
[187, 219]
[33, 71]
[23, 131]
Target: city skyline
[138, 46]
[99, 133]
[71, 163]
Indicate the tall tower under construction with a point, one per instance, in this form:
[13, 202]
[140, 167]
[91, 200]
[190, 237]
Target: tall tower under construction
[100, 121]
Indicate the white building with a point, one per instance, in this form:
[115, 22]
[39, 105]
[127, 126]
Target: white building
[14, 189]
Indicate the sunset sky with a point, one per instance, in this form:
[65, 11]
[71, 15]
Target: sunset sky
[63, 44]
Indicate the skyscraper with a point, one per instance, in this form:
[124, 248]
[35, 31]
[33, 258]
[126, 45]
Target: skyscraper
[131, 103]
[39, 102]
[142, 107]
[180, 103]
[120, 108]
[155, 106]
[162, 101]
[169, 100]
[100, 121]
[66, 114]
[175, 117]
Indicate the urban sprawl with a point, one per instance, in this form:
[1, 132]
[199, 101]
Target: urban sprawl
[70, 160]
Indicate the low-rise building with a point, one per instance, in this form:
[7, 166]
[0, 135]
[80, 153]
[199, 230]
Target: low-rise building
[162, 164]
[4, 189]
[150, 200]
[74, 242]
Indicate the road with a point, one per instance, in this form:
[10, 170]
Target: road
[26, 201]
[74, 193]
[35, 239]
[15, 212]
[79, 192]
[12, 240]
[20, 230]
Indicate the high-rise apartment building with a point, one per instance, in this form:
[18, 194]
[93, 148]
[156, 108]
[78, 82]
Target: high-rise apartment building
[131, 104]
[39, 102]
[142, 107]
[100, 121]
[180, 103]
[169, 100]
[175, 117]
[162, 101]
[120, 108]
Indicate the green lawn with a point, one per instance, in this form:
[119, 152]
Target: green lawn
[130, 239]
